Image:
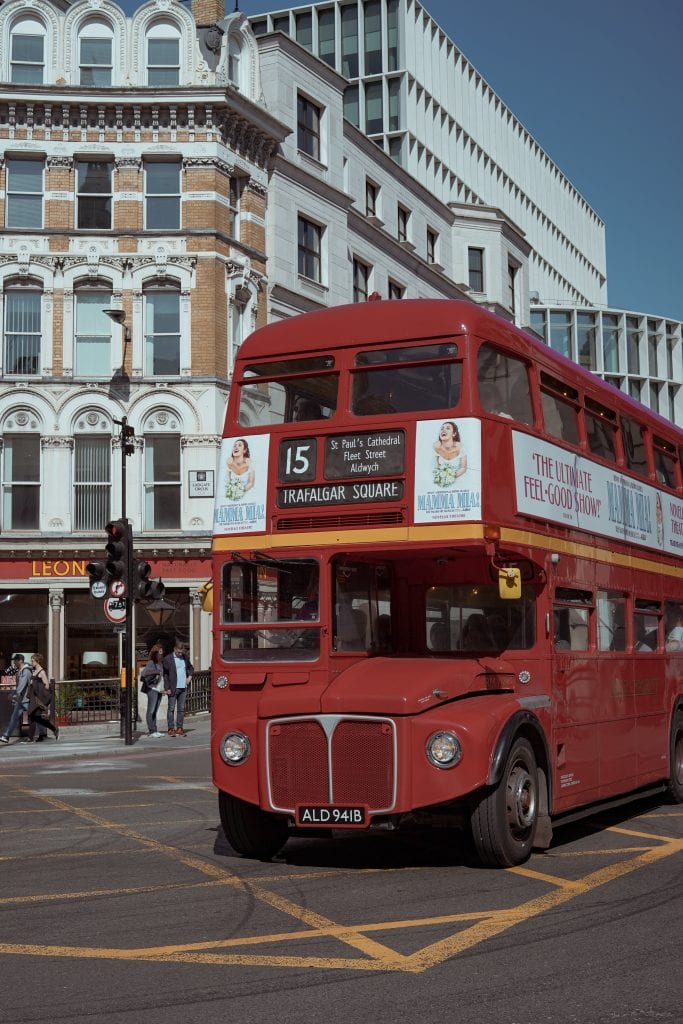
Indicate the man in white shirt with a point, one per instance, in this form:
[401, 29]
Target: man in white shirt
[178, 670]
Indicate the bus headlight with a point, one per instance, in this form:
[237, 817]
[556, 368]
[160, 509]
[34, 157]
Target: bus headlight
[443, 749]
[235, 748]
[222, 682]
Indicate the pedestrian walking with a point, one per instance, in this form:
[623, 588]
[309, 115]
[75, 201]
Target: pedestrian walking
[40, 699]
[152, 678]
[20, 697]
[177, 677]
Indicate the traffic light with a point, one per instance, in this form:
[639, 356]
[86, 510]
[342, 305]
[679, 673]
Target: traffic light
[97, 571]
[143, 588]
[118, 549]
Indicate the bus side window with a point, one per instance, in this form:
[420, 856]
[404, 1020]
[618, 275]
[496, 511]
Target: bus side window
[646, 616]
[503, 385]
[571, 619]
[611, 620]
[600, 430]
[559, 402]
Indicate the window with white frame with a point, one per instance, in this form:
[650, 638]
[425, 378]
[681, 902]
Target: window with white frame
[361, 280]
[162, 194]
[24, 193]
[94, 194]
[235, 62]
[22, 329]
[475, 269]
[237, 187]
[95, 62]
[432, 245]
[371, 198]
[92, 348]
[92, 481]
[27, 52]
[162, 332]
[396, 291]
[163, 55]
[162, 481]
[308, 127]
[402, 223]
[21, 481]
[309, 249]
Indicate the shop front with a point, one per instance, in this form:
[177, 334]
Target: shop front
[46, 607]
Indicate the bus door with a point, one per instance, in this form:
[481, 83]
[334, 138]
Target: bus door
[577, 748]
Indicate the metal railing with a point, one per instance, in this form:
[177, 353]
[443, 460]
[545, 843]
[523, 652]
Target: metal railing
[83, 701]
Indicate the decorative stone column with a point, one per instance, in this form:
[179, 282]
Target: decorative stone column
[56, 604]
[196, 632]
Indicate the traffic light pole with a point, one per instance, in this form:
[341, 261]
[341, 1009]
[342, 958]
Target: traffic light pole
[127, 711]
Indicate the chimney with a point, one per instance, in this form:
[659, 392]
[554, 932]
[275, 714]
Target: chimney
[206, 12]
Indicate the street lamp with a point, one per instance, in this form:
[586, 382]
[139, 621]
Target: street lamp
[160, 611]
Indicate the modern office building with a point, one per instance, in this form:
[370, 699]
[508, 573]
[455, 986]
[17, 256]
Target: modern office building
[505, 221]
[196, 178]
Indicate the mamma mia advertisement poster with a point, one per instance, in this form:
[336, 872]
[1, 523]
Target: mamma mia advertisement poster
[242, 485]
[447, 470]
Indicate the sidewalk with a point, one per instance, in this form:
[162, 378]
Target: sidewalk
[102, 740]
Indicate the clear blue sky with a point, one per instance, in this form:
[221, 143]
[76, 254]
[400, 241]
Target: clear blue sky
[599, 84]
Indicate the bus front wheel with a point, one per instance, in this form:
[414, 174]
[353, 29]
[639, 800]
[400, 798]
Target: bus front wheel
[676, 761]
[249, 830]
[504, 820]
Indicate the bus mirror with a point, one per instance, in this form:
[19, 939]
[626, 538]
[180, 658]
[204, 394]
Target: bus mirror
[510, 584]
[206, 590]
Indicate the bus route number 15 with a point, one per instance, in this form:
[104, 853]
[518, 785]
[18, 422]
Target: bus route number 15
[297, 459]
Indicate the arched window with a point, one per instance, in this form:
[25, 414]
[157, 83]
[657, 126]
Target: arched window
[92, 342]
[163, 54]
[22, 329]
[95, 59]
[235, 71]
[162, 472]
[27, 52]
[20, 472]
[92, 471]
[162, 332]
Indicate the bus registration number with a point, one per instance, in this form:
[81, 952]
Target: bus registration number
[331, 816]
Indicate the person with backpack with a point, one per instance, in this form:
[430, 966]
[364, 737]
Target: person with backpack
[40, 698]
[20, 697]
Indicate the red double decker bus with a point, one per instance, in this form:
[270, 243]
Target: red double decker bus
[447, 583]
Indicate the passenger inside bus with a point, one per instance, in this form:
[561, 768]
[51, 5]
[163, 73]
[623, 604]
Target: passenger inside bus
[439, 637]
[476, 635]
[306, 409]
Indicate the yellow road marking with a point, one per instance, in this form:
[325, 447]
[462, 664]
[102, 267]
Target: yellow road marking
[375, 956]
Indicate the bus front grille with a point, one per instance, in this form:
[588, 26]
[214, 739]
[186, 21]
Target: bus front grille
[332, 759]
[341, 520]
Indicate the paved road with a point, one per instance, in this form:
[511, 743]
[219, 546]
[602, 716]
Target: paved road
[121, 902]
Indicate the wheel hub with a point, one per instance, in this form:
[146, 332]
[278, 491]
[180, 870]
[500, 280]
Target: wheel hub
[521, 805]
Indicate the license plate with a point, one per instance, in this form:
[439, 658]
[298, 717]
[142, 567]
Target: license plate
[331, 816]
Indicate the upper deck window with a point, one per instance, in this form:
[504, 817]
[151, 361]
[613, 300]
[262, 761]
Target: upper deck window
[600, 430]
[288, 390]
[633, 438]
[665, 461]
[560, 413]
[503, 385]
[418, 378]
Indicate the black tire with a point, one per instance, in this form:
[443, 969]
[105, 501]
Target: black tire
[676, 759]
[249, 830]
[504, 820]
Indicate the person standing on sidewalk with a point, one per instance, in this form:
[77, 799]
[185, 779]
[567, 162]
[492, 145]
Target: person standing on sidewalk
[20, 696]
[152, 677]
[40, 699]
[177, 677]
